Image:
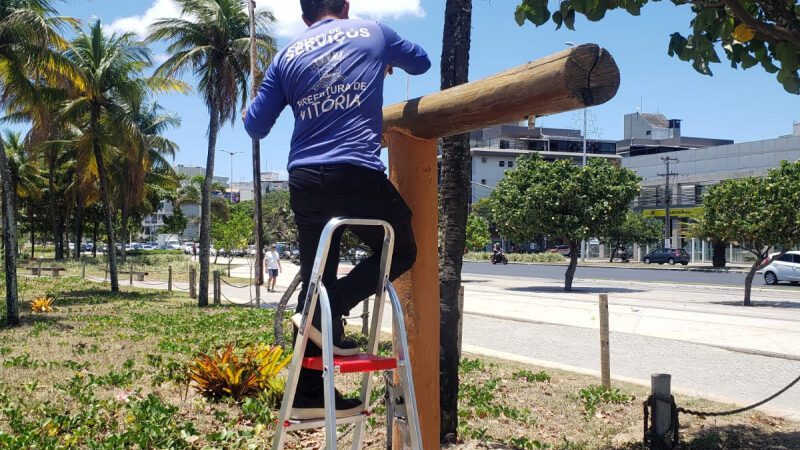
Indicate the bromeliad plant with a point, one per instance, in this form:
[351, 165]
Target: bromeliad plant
[42, 304]
[250, 373]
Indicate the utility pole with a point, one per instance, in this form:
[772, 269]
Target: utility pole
[259, 263]
[230, 182]
[668, 160]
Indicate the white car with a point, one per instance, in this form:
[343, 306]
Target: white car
[785, 268]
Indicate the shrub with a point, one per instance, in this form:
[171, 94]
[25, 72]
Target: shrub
[518, 257]
[42, 304]
[226, 373]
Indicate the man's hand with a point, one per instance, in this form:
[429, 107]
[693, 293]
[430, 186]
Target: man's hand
[244, 113]
[389, 71]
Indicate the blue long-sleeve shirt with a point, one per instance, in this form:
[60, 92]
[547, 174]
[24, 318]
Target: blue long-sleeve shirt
[332, 77]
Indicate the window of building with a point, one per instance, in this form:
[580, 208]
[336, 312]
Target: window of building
[505, 145]
[483, 181]
[649, 132]
[511, 164]
[502, 163]
[483, 160]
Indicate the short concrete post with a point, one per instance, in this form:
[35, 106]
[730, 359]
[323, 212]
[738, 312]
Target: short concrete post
[605, 351]
[169, 278]
[39, 271]
[83, 270]
[661, 421]
[192, 287]
[131, 273]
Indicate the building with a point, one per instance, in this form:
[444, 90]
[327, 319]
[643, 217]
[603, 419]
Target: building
[694, 166]
[495, 150]
[152, 225]
[652, 134]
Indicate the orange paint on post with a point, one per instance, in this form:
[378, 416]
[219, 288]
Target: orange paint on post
[413, 169]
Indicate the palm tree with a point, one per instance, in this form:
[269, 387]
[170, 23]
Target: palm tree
[28, 42]
[145, 162]
[110, 69]
[26, 182]
[212, 39]
[455, 190]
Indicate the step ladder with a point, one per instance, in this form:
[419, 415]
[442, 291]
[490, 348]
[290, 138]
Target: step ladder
[401, 402]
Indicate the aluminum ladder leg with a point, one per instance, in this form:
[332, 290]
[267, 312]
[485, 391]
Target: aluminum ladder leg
[364, 363]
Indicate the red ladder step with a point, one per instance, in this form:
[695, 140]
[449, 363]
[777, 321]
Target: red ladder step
[353, 364]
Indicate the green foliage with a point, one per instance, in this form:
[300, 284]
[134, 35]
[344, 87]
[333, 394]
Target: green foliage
[518, 257]
[562, 200]
[279, 224]
[236, 232]
[477, 232]
[750, 32]
[594, 396]
[176, 223]
[531, 377]
[636, 229]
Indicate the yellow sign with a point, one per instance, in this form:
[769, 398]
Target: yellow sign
[674, 212]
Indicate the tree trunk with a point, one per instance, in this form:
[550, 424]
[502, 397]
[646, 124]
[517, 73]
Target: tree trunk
[748, 281]
[719, 254]
[573, 265]
[123, 231]
[55, 217]
[205, 207]
[9, 241]
[94, 245]
[109, 216]
[78, 227]
[277, 325]
[33, 231]
[65, 239]
[455, 192]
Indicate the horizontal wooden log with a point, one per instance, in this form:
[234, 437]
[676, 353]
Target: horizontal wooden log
[575, 78]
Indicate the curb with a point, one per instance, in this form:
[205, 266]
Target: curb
[622, 266]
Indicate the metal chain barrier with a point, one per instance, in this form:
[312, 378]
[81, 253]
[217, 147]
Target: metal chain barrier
[648, 404]
[235, 286]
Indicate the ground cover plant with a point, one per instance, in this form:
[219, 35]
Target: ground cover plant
[111, 371]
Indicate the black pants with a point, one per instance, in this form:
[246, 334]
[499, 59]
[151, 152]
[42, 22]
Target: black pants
[320, 193]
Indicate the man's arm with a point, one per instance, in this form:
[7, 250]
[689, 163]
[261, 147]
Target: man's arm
[267, 106]
[404, 54]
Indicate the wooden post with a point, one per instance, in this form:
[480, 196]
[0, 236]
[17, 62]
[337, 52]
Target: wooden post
[413, 169]
[217, 287]
[605, 352]
[169, 278]
[365, 318]
[661, 421]
[39, 271]
[131, 273]
[83, 270]
[192, 287]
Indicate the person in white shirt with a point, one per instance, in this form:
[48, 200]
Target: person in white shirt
[273, 262]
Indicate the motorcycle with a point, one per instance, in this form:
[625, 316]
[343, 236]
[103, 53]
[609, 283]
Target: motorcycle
[499, 258]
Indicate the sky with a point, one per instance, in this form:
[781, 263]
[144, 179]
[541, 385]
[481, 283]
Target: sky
[733, 104]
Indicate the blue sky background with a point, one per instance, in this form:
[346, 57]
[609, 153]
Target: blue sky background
[734, 104]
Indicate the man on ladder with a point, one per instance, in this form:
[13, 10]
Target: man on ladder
[332, 77]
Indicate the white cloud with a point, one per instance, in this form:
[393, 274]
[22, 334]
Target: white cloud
[290, 22]
[287, 12]
[160, 9]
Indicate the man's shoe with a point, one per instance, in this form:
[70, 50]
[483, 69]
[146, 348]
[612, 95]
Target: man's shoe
[307, 407]
[341, 347]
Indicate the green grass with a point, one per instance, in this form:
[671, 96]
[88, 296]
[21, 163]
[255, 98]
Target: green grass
[109, 371]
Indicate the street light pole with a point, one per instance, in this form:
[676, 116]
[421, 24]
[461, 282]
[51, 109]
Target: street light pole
[230, 181]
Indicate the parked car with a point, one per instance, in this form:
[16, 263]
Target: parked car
[563, 250]
[785, 268]
[670, 256]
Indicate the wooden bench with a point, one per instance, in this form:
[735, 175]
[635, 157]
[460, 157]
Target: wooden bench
[137, 276]
[54, 271]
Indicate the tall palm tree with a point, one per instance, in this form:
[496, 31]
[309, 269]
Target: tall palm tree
[29, 44]
[26, 182]
[110, 69]
[212, 40]
[455, 190]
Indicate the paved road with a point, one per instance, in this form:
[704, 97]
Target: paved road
[710, 372]
[556, 272]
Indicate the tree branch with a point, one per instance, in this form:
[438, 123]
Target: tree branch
[772, 31]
